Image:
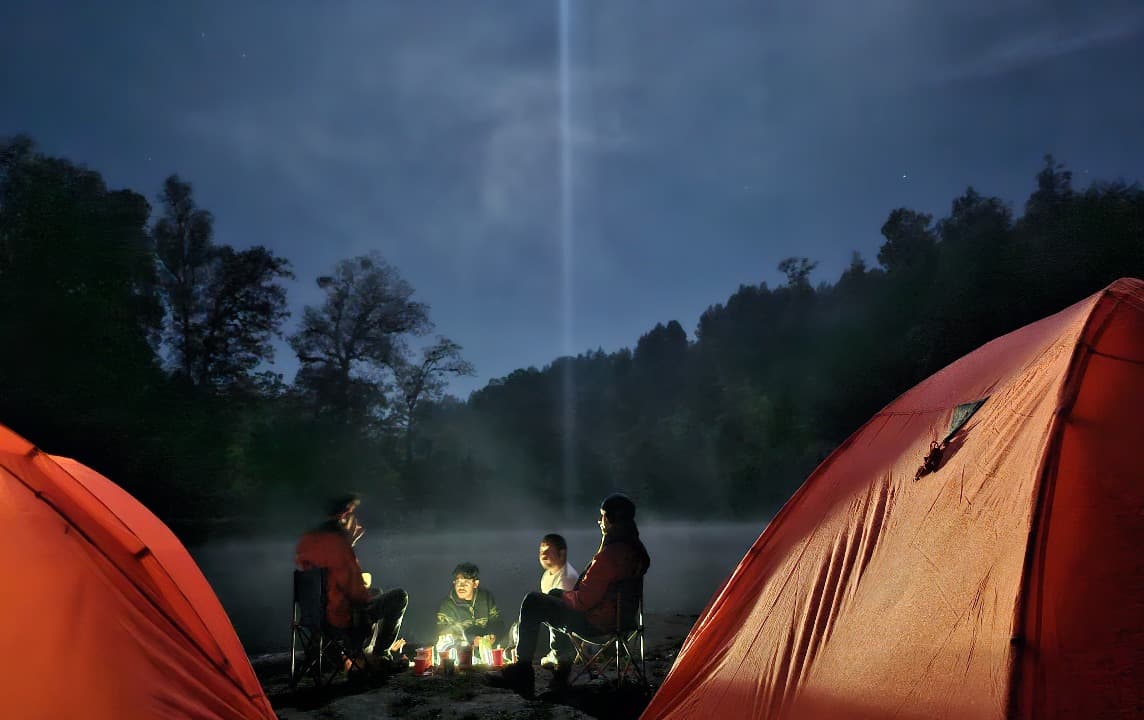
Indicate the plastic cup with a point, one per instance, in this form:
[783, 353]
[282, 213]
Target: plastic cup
[498, 657]
[465, 657]
[423, 661]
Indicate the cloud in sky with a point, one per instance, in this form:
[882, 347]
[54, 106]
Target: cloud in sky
[708, 140]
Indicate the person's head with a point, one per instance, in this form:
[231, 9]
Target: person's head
[553, 552]
[343, 509]
[617, 509]
[466, 580]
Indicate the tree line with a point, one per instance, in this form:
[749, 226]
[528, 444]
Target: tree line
[729, 423]
[137, 344]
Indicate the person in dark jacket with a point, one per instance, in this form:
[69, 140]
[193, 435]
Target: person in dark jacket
[470, 610]
[348, 597]
[590, 607]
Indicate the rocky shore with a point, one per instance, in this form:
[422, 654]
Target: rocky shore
[465, 695]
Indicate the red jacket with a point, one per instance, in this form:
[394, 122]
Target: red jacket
[329, 548]
[619, 558]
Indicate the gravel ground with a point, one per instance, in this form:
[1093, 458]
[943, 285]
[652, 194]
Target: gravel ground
[465, 695]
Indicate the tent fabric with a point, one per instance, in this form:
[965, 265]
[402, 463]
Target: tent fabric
[103, 612]
[1008, 583]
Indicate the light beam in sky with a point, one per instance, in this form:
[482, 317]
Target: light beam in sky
[567, 233]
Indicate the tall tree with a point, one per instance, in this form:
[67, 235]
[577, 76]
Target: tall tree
[351, 345]
[224, 305]
[184, 247]
[425, 381]
[77, 303]
[244, 307]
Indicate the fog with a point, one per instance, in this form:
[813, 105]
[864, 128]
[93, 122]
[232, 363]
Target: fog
[253, 578]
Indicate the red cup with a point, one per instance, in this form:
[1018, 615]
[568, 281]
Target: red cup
[423, 661]
[498, 657]
[465, 657]
[442, 656]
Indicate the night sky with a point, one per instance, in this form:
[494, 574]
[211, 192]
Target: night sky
[704, 141]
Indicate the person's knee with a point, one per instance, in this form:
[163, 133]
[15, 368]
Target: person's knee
[401, 599]
[532, 601]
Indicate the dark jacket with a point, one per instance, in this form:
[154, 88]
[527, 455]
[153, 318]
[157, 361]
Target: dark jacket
[479, 617]
[621, 556]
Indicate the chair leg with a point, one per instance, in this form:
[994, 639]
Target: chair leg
[294, 657]
[637, 666]
[619, 668]
[643, 657]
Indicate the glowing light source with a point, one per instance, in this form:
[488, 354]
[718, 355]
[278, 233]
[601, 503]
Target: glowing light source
[567, 235]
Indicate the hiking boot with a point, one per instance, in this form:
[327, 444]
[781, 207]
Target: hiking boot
[518, 677]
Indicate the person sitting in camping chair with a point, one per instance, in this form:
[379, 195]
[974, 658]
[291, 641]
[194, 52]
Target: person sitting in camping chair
[351, 605]
[589, 608]
[559, 574]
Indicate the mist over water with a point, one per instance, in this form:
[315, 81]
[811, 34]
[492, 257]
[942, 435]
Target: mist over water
[689, 562]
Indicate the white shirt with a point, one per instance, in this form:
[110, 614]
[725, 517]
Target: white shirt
[565, 580]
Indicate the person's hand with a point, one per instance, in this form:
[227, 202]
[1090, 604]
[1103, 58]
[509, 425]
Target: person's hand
[397, 646]
[356, 532]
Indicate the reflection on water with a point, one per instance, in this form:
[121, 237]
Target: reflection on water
[252, 578]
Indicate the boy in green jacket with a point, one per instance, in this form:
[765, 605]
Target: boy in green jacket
[469, 611]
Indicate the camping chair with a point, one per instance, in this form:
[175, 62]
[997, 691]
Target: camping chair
[323, 649]
[623, 647]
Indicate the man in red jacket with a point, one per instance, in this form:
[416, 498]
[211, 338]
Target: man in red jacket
[331, 546]
[589, 608]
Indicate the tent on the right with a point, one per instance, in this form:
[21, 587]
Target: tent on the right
[974, 550]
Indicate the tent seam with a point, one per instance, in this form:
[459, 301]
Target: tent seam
[1042, 507]
[87, 538]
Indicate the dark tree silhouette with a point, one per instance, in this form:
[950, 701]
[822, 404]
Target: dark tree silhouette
[424, 381]
[350, 346]
[184, 248]
[727, 423]
[244, 307]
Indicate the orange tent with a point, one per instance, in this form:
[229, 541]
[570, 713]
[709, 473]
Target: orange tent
[1008, 581]
[103, 613]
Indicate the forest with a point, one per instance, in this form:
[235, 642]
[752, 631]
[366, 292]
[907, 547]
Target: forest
[135, 343]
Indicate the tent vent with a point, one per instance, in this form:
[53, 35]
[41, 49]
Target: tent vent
[961, 415]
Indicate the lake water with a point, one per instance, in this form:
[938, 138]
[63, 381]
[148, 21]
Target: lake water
[253, 578]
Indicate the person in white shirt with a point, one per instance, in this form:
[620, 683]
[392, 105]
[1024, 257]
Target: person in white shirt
[558, 575]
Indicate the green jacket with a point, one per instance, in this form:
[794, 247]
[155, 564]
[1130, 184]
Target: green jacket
[479, 617]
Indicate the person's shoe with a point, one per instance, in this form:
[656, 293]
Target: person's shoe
[396, 662]
[559, 682]
[360, 670]
[518, 677]
[548, 662]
